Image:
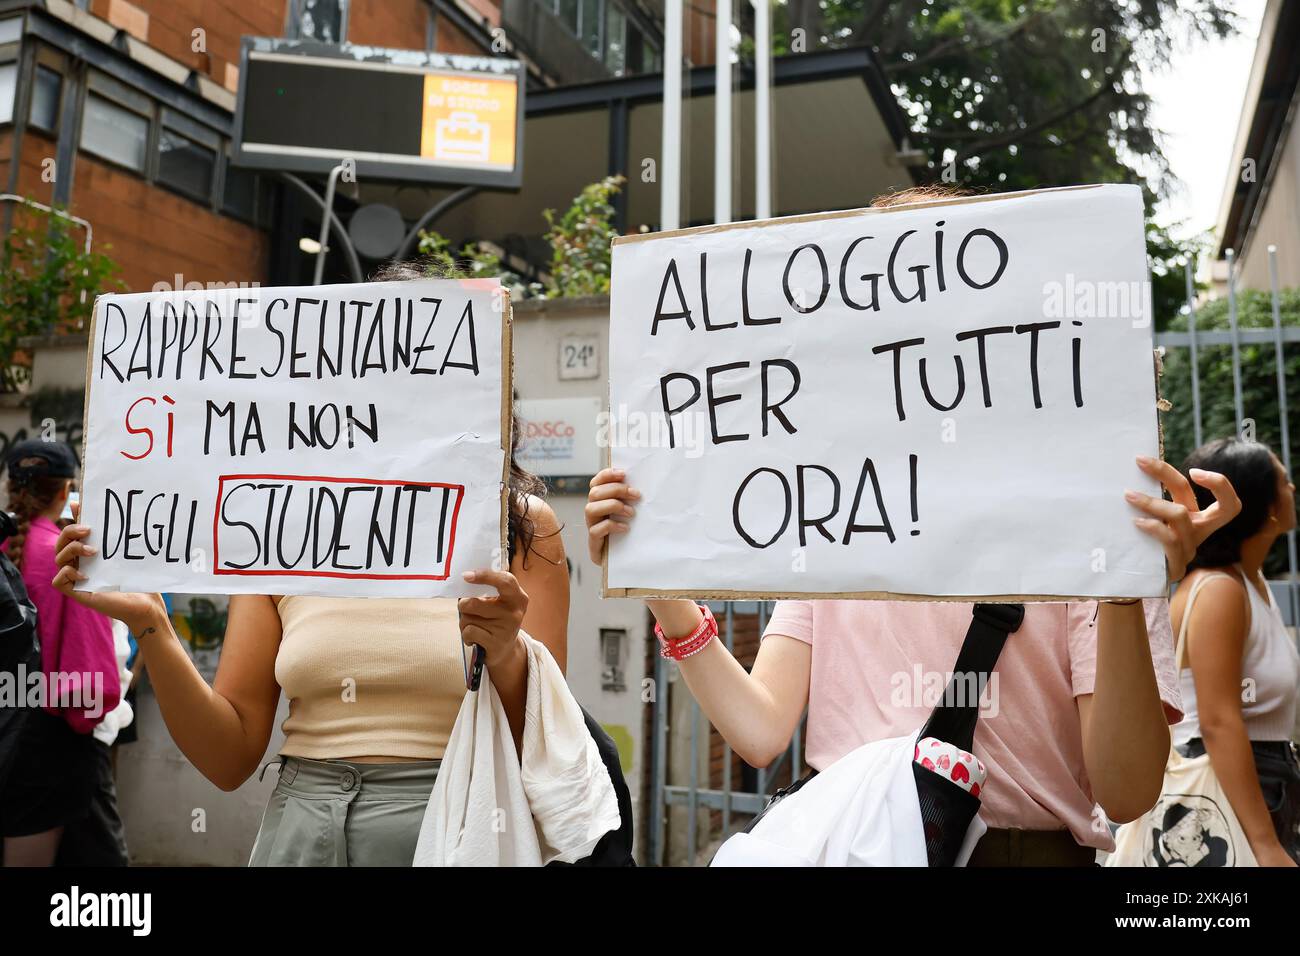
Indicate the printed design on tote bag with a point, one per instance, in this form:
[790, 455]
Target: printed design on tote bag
[1193, 831]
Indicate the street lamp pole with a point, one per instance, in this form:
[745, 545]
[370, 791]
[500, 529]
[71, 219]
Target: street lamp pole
[330, 186]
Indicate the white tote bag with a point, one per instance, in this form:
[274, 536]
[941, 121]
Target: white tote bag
[1192, 824]
[862, 810]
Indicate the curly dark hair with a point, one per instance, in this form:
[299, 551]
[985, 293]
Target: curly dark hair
[523, 484]
[1251, 468]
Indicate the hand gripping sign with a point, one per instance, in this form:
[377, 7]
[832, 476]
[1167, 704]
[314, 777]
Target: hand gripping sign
[935, 400]
[346, 440]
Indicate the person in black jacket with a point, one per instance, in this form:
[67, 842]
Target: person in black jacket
[20, 651]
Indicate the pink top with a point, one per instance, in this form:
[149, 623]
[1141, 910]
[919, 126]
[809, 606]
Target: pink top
[879, 667]
[77, 653]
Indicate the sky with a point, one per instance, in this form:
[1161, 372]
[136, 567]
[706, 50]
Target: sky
[1197, 102]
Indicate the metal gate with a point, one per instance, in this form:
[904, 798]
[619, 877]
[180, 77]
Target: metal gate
[734, 805]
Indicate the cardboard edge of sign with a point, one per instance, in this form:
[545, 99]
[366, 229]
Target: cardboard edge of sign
[507, 410]
[84, 482]
[763, 595]
[85, 411]
[849, 213]
[507, 417]
[709, 595]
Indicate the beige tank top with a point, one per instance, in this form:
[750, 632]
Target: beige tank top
[369, 677]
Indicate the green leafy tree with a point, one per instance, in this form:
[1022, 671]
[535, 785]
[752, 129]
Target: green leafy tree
[440, 258]
[1018, 94]
[580, 240]
[1167, 258]
[472, 260]
[48, 283]
[580, 249]
[1258, 363]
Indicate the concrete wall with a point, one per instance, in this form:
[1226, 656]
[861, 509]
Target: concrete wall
[14, 426]
[58, 362]
[173, 816]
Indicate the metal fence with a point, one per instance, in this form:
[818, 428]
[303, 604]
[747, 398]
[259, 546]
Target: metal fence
[1286, 593]
[728, 806]
[735, 806]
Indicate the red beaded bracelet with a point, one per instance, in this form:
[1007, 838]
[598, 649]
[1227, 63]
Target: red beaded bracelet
[691, 644]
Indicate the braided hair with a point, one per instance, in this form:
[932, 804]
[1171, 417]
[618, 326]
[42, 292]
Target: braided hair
[29, 497]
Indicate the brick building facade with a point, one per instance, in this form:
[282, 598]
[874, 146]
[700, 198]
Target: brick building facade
[121, 112]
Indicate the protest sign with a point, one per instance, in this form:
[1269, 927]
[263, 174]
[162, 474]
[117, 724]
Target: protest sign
[935, 400]
[343, 440]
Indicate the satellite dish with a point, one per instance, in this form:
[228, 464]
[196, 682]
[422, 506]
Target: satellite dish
[377, 230]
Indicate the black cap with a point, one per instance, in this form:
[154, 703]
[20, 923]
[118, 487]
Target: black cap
[40, 459]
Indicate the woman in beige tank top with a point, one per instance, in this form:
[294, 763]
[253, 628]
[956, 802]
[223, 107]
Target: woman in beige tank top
[374, 687]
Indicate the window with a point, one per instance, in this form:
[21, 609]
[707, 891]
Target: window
[185, 165]
[607, 33]
[8, 89]
[11, 30]
[633, 51]
[239, 195]
[591, 26]
[116, 123]
[114, 133]
[324, 20]
[649, 57]
[568, 13]
[47, 90]
[169, 148]
[187, 156]
[616, 45]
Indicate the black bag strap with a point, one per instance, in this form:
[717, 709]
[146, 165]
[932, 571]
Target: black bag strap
[954, 717]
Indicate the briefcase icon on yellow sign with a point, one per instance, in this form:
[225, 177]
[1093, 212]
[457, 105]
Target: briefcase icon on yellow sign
[463, 137]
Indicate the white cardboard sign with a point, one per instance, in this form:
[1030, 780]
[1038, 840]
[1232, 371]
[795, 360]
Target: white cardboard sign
[939, 400]
[343, 440]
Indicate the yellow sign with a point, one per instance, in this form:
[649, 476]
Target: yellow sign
[469, 120]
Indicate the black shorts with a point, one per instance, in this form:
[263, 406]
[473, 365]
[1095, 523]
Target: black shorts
[1277, 764]
[130, 733]
[97, 839]
[53, 779]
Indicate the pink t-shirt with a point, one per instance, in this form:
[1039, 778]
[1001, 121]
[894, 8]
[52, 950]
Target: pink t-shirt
[878, 668]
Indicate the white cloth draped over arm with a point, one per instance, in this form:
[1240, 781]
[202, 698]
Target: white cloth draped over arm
[489, 808]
